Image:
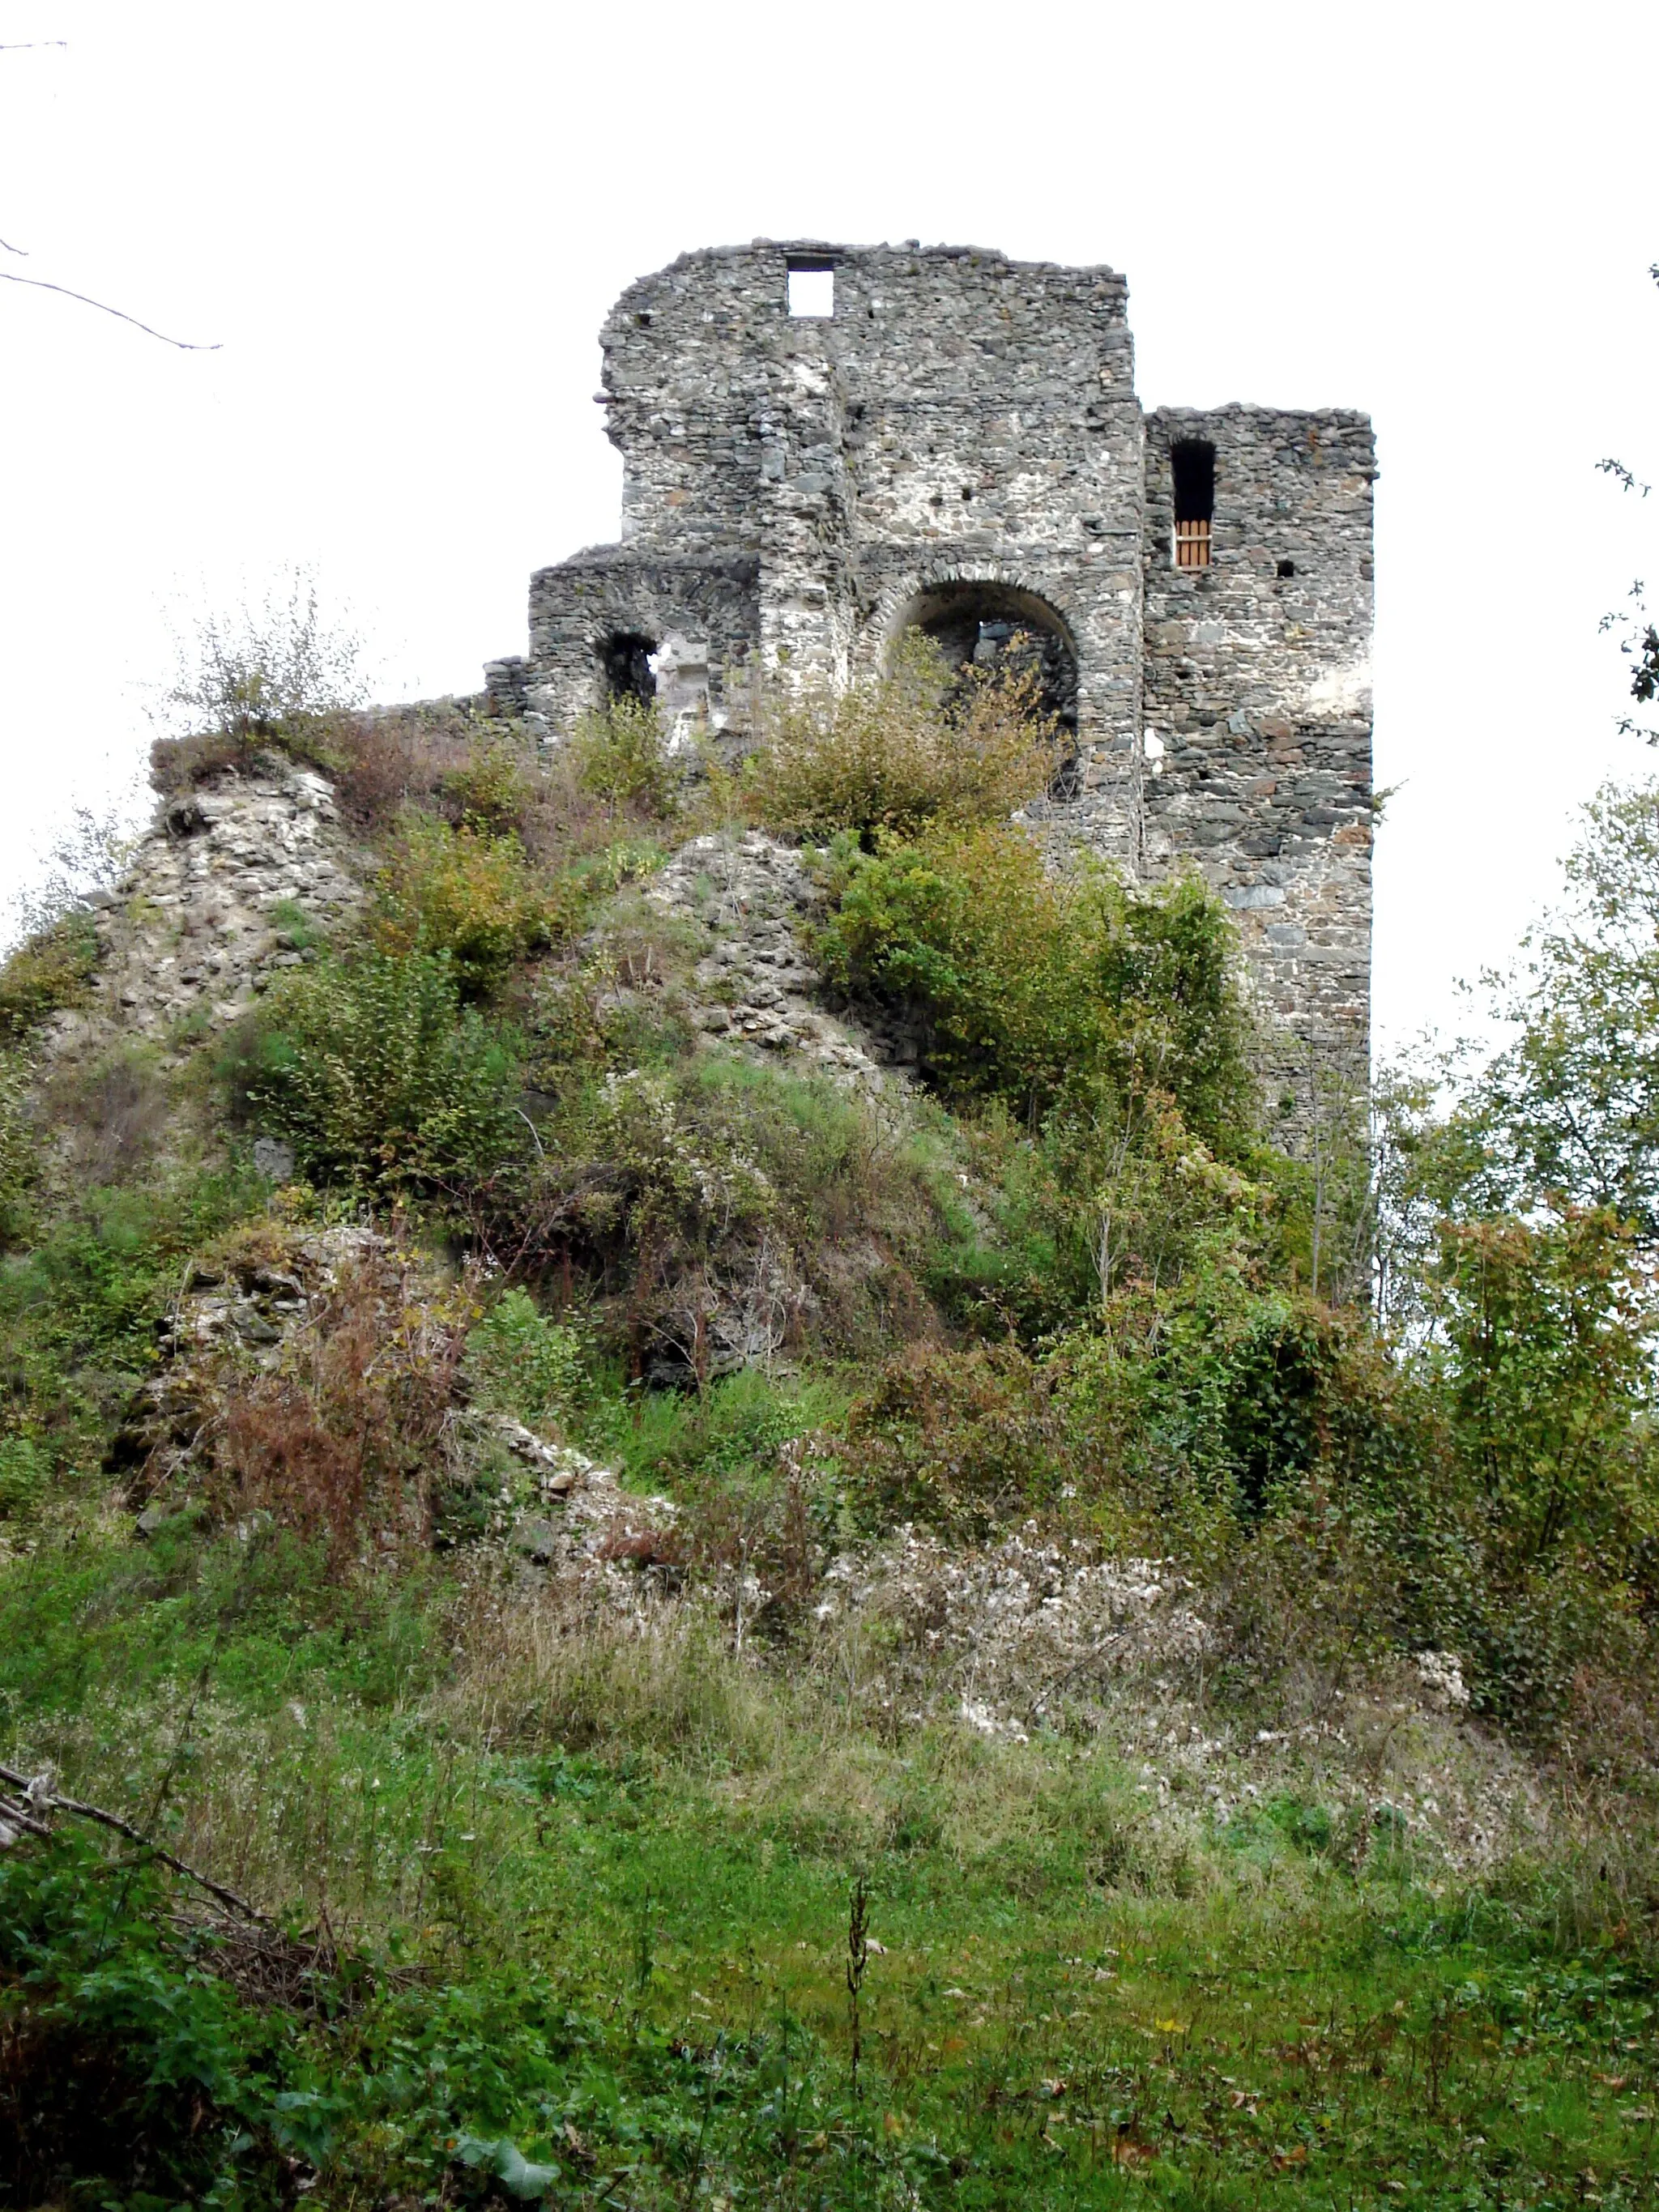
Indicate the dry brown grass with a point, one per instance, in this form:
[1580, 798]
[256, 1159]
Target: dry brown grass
[338, 1441]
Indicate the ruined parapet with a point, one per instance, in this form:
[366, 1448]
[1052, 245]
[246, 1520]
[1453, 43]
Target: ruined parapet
[826, 446]
[221, 895]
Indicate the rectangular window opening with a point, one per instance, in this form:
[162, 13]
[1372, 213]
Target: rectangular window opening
[812, 286]
[1192, 462]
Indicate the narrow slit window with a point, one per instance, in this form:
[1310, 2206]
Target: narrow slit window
[1194, 465]
[812, 287]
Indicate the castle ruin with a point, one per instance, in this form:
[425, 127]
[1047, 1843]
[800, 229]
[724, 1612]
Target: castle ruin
[825, 446]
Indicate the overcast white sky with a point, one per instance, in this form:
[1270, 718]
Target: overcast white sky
[405, 224]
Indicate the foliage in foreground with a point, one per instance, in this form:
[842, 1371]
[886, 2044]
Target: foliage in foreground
[1032, 985]
[374, 1070]
[910, 750]
[589, 1909]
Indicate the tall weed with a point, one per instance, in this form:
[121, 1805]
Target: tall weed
[911, 748]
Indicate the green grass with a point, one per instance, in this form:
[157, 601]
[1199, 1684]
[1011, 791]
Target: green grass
[615, 1877]
[686, 1441]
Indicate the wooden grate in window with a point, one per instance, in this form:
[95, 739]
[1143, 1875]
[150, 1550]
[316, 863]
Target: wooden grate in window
[1192, 545]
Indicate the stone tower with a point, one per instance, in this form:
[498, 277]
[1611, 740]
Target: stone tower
[824, 445]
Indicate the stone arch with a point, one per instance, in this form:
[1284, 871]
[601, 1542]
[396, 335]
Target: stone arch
[988, 622]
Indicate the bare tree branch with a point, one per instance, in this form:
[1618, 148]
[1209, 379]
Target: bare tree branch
[40, 1798]
[185, 345]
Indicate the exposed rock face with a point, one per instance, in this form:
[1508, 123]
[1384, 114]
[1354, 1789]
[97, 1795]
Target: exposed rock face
[756, 983]
[223, 893]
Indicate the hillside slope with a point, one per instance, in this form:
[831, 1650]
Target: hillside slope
[687, 1434]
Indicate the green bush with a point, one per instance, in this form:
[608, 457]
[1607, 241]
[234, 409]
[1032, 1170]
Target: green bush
[524, 1364]
[964, 1443]
[491, 789]
[1028, 983]
[1546, 1366]
[470, 896]
[53, 968]
[132, 2072]
[23, 1472]
[622, 757]
[915, 747]
[377, 1074]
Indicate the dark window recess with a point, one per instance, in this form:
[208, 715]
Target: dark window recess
[811, 285]
[625, 666]
[1193, 465]
[1287, 568]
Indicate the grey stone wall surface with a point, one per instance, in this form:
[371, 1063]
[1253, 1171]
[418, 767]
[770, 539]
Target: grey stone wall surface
[204, 917]
[958, 445]
[1256, 701]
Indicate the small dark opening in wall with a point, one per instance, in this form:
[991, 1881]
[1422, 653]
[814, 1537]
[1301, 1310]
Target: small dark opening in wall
[625, 666]
[1192, 462]
[812, 286]
[1287, 568]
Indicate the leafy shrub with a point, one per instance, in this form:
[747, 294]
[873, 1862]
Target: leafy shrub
[79, 1311]
[52, 969]
[913, 748]
[376, 1073]
[964, 1443]
[1547, 1368]
[1028, 983]
[23, 1470]
[469, 896]
[622, 757]
[490, 789]
[128, 2071]
[257, 671]
[525, 1363]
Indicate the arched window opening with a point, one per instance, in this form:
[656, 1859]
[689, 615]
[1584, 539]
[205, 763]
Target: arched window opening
[996, 628]
[625, 670]
[1192, 463]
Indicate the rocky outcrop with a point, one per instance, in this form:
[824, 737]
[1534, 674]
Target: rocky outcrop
[230, 886]
[755, 983]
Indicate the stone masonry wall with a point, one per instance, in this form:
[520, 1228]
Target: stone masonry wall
[1258, 700]
[959, 443]
[214, 904]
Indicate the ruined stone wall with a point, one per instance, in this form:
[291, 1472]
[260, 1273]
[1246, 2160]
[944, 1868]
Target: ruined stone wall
[959, 445]
[960, 418]
[707, 608]
[218, 897]
[1257, 698]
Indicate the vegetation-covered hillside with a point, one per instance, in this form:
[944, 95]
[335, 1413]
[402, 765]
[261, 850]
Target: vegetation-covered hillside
[699, 1508]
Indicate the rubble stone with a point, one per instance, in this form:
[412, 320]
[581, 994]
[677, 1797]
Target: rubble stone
[205, 915]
